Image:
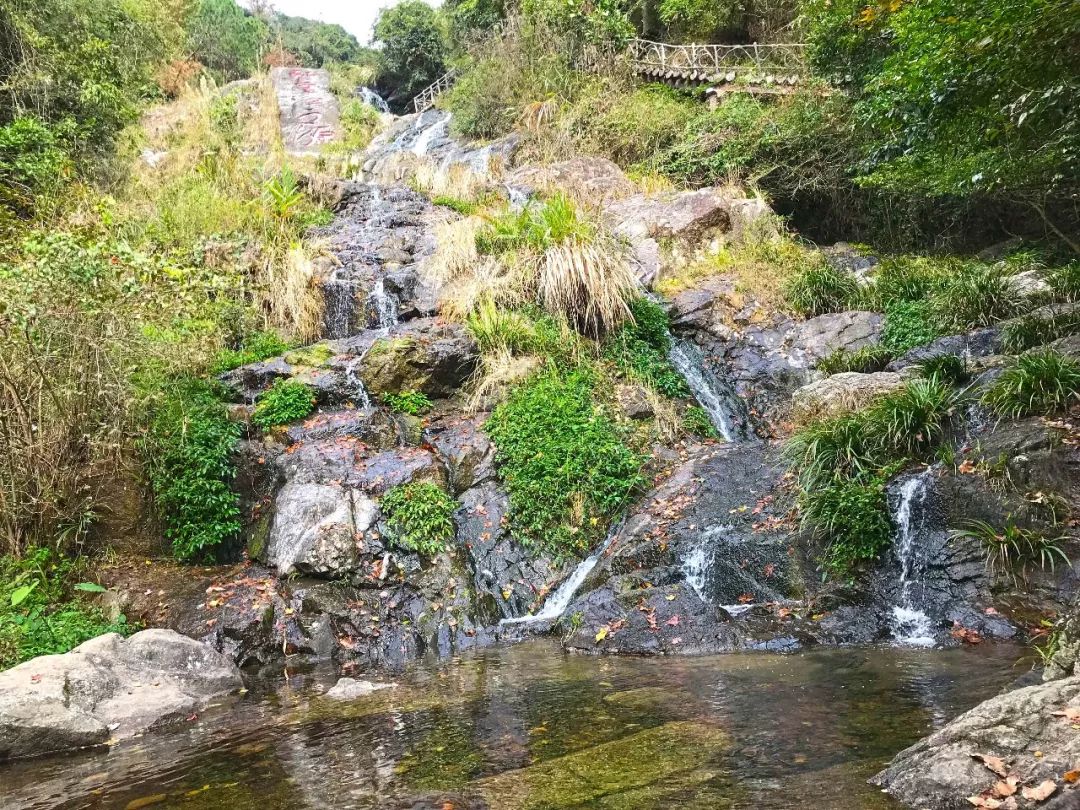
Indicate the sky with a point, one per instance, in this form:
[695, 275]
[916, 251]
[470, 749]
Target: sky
[355, 16]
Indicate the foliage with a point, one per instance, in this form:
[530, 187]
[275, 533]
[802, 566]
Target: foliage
[188, 449]
[913, 420]
[470, 18]
[420, 516]
[33, 164]
[40, 609]
[975, 295]
[1065, 282]
[562, 461]
[853, 514]
[285, 401]
[1014, 550]
[225, 38]
[909, 324]
[640, 349]
[905, 279]
[315, 43]
[1039, 382]
[413, 51]
[253, 348]
[413, 403]
[819, 289]
[1038, 329]
[360, 122]
[696, 421]
[865, 360]
[950, 369]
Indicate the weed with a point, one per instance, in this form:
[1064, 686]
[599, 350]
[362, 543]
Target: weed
[820, 289]
[420, 516]
[909, 324]
[866, 360]
[259, 346]
[413, 403]
[285, 401]
[913, 420]
[640, 349]
[1064, 281]
[853, 514]
[975, 296]
[696, 421]
[1039, 382]
[1014, 550]
[948, 369]
[1037, 329]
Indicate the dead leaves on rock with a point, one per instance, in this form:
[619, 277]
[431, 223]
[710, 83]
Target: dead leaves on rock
[1002, 794]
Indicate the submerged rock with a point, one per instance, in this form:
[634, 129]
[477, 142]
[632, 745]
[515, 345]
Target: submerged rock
[108, 688]
[1029, 729]
[350, 689]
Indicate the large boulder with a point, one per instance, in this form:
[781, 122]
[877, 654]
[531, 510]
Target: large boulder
[425, 355]
[1003, 748]
[840, 393]
[690, 217]
[108, 688]
[810, 340]
[591, 181]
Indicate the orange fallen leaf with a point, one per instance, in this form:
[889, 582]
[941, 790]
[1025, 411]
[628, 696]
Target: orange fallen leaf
[996, 764]
[1040, 792]
[1005, 788]
[1071, 777]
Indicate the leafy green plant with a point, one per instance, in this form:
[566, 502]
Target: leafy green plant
[285, 401]
[697, 422]
[909, 324]
[562, 460]
[188, 450]
[464, 207]
[913, 420]
[819, 289]
[904, 278]
[257, 347]
[1039, 382]
[526, 330]
[865, 360]
[420, 516]
[950, 369]
[976, 295]
[413, 403]
[1014, 550]
[639, 348]
[283, 194]
[853, 514]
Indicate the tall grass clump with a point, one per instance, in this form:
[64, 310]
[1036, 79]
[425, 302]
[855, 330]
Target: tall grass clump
[562, 460]
[1039, 382]
[1037, 329]
[820, 289]
[976, 295]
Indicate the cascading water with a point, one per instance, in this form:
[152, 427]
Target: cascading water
[440, 127]
[360, 393]
[383, 306]
[725, 408]
[556, 604]
[339, 306]
[910, 625]
[373, 99]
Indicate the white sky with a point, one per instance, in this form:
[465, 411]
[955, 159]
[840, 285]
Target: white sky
[355, 16]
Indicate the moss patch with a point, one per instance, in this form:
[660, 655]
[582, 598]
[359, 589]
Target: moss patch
[314, 356]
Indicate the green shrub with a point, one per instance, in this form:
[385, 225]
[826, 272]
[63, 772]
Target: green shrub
[1033, 330]
[188, 450]
[696, 421]
[819, 289]
[420, 516]
[640, 349]
[904, 278]
[1039, 382]
[913, 420]
[853, 513]
[285, 401]
[866, 360]
[1015, 550]
[555, 221]
[909, 324]
[33, 163]
[413, 403]
[950, 369]
[975, 296]
[1065, 282]
[562, 460]
[257, 347]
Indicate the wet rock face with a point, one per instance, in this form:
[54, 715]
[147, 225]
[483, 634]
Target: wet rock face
[941, 771]
[106, 689]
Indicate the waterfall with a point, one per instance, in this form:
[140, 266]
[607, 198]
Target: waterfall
[373, 99]
[556, 604]
[339, 306]
[725, 408]
[695, 569]
[427, 136]
[383, 306]
[910, 625]
[359, 390]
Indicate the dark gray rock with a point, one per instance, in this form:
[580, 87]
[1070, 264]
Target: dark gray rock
[980, 343]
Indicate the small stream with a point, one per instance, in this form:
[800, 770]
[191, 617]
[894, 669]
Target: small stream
[529, 727]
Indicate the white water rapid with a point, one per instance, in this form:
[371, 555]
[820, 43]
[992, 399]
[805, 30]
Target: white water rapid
[910, 625]
[718, 405]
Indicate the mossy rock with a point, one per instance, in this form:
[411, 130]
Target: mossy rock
[394, 364]
[260, 533]
[314, 356]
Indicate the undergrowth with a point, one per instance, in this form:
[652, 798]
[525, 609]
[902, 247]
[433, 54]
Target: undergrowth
[285, 401]
[420, 516]
[639, 348]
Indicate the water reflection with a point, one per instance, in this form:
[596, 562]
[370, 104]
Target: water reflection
[530, 727]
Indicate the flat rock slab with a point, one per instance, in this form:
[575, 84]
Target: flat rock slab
[943, 770]
[309, 112]
[106, 689]
[351, 689]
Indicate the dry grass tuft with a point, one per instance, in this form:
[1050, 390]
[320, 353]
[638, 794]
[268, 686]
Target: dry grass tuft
[591, 283]
[499, 369]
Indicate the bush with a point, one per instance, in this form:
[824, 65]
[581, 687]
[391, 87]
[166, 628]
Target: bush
[420, 516]
[905, 278]
[188, 451]
[949, 369]
[562, 461]
[640, 349]
[33, 163]
[820, 289]
[285, 401]
[696, 421]
[853, 514]
[413, 403]
[909, 324]
[913, 420]
[865, 361]
[1039, 382]
[257, 347]
[225, 38]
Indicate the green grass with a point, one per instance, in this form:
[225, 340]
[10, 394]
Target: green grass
[562, 461]
[527, 330]
[950, 369]
[976, 295]
[413, 403]
[1014, 550]
[537, 227]
[1064, 281]
[1033, 330]
[257, 347]
[420, 516]
[853, 514]
[285, 401]
[820, 289]
[866, 360]
[909, 324]
[1039, 382]
[639, 348]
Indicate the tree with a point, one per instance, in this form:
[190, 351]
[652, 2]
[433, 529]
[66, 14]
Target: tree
[316, 43]
[413, 50]
[225, 38]
[468, 18]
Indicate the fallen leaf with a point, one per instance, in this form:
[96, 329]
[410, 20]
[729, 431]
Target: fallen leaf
[996, 764]
[1071, 777]
[1005, 788]
[601, 634]
[1040, 792]
[1070, 713]
[672, 622]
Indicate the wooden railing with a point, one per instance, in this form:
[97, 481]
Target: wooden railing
[755, 64]
[426, 98]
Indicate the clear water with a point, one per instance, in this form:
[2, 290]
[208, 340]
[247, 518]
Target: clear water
[910, 624]
[721, 405]
[529, 727]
